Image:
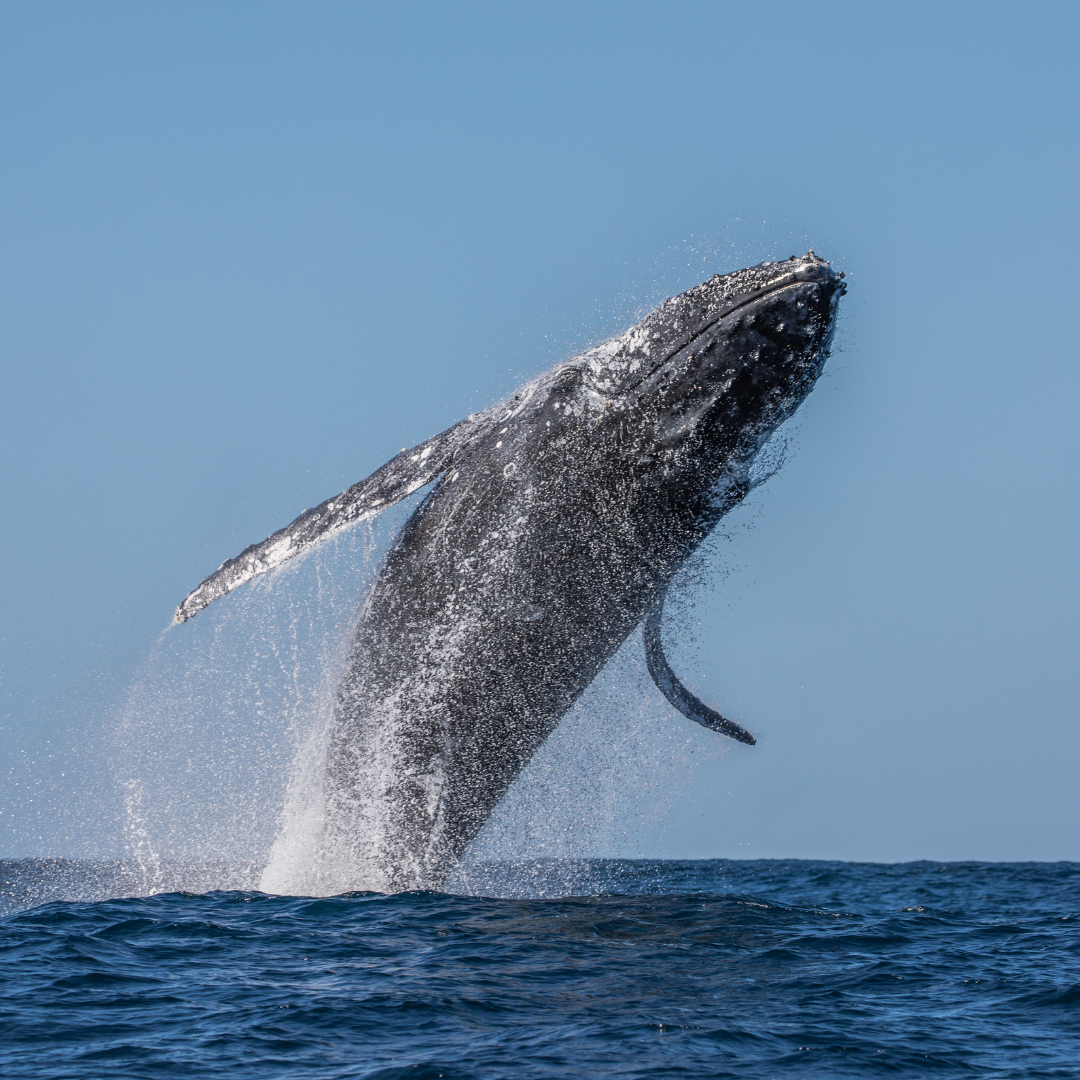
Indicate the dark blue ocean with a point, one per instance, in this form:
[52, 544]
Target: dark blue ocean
[681, 969]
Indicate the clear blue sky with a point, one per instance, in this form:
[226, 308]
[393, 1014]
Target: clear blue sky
[249, 250]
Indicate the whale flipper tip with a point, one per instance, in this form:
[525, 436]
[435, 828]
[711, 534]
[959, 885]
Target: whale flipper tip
[691, 706]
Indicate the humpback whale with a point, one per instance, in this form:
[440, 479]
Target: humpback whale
[558, 520]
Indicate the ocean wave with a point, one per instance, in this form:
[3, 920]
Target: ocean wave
[754, 969]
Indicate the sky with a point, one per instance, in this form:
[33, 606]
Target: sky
[248, 251]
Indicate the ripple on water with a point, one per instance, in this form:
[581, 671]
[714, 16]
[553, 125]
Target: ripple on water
[754, 969]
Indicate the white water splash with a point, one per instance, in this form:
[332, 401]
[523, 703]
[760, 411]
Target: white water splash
[221, 751]
[217, 749]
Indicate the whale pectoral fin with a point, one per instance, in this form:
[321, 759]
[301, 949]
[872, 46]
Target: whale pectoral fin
[398, 478]
[690, 706]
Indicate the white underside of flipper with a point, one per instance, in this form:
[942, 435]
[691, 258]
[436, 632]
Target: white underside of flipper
[397, 479]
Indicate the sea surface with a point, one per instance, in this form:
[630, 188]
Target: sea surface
[684, 969]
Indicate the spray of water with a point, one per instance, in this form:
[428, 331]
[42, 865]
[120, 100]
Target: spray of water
[217, 749]
[221, 751]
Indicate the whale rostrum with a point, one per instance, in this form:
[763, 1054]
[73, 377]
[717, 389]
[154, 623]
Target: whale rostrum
[558, 520]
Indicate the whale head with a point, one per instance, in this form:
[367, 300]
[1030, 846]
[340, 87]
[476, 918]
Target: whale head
[711, 374]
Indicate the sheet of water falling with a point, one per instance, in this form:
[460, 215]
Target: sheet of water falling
[222, 717]
[220, 750]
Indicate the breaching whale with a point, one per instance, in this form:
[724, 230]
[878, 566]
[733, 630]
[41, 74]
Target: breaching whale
[559, 519]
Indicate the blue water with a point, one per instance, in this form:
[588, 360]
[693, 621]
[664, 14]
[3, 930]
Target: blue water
[682, 969]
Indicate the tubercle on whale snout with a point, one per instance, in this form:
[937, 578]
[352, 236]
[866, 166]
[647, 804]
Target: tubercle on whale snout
[748, 372]
[617, 366]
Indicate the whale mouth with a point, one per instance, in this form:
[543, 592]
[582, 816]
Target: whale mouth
[808, 270]
[736, 305]
[790, 280]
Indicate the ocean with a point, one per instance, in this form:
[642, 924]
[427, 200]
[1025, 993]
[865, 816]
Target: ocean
[572, 968]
